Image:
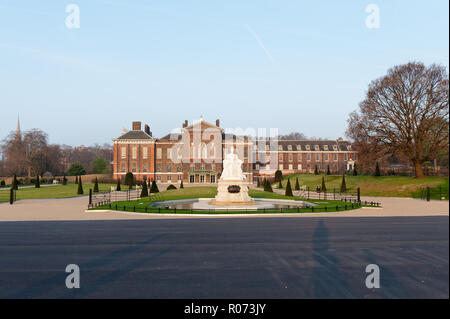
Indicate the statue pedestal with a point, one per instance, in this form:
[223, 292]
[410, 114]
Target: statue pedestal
[231, 192]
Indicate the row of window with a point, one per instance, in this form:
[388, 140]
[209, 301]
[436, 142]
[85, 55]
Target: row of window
[317, 157]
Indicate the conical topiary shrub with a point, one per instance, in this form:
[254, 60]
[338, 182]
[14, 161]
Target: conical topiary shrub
[181, 185]
[280, 185]
[144, 192]
[297, 185]
[118, 188]
[258, 184]
[37, 183]
[316, 171]
[343, 184]
[324, 188]
[76, 179]
[154, 188]
[80, 187]
[328, 170]
[64, 180]
[288, 189]
[268, 186]
[355, 172]
[96, 185]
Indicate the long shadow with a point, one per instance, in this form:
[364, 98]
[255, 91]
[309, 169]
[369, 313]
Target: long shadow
[327, 281]
[58, 280]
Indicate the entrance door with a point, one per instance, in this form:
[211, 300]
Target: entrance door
[191, 179]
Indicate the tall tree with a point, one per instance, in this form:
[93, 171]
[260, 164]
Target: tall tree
[76, 169]
[405, 113]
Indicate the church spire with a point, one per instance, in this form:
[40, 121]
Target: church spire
[18, 133]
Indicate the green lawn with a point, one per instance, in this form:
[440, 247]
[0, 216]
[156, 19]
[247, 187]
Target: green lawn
[142, 204]
[392, 186]
[53, 191]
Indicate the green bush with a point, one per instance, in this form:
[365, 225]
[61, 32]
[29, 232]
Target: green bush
[288, 189]
[76, 169]
[154, 188]
[80, 187]
[129, 180]
[144, 192]
[278, 176]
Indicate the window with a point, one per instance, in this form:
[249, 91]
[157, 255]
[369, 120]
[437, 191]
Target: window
[145, 153]
[158, 178]
[158, 168]
[291, 157]
[326, 157]
[123, 152]
[169, 153]
[202, 167]
[213, 167]
[267, 147]
[290, 166]
[134, 152]
[308, 157]
[134, 167]
[180, 177]
[169, 168]
[213, 178]
[317, 157]
[345, 157]
[245, 168]
[299, 157]
[335, 157]
[144, 167]
[169, 178]
[122, 168]
[179, 168]
[159, 153]
[257, 166]
[280, 157]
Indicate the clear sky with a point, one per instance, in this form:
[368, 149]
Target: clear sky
[295, 65]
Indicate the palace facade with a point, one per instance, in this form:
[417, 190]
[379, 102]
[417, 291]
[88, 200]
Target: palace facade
[194, 154]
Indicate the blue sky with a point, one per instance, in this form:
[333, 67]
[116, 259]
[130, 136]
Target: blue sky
[295, 65]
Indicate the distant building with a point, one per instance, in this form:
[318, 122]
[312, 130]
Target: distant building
[194, 155]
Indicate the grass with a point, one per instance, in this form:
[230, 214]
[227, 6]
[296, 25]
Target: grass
[142, 205]
[53, 191]
[390, 186]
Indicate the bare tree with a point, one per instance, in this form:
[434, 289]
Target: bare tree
[404, 113]
[293, 136]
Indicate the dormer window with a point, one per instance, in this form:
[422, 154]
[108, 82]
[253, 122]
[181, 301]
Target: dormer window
[280, 147]
[316, 147]
[325, 147]
[299, 147]
[289, 147]
[307, 147]
[334, 147]
[349, 147]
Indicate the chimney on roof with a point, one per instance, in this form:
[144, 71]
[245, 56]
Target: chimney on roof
[136, 126]
[218, 123]
[147, 129]
[185, 124]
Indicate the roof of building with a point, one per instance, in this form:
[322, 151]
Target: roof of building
[135, 135]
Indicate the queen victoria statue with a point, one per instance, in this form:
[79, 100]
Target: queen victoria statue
[232, 187]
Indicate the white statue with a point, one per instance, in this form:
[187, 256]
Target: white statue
[232, 167]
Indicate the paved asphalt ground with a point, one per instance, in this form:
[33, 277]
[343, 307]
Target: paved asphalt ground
[227, 258]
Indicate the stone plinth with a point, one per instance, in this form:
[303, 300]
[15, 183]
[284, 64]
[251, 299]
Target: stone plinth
[232, 192]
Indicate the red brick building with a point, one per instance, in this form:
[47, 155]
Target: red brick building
[194, 154]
